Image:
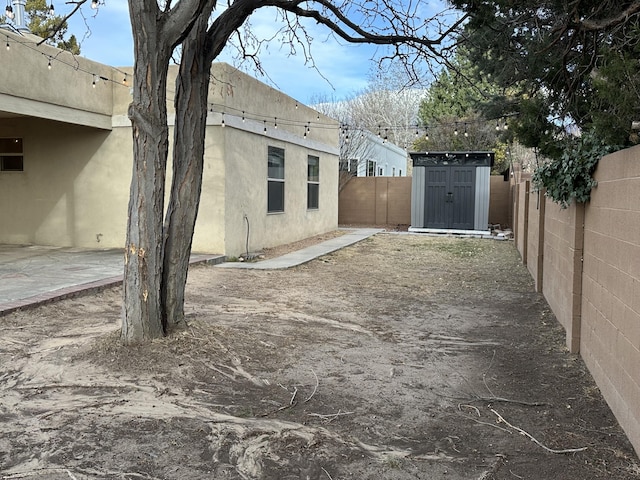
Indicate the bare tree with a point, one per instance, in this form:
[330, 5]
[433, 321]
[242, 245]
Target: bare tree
[355, 145]
[157, 253]
[157, 248]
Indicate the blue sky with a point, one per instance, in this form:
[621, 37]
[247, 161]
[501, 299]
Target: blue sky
[345, 67]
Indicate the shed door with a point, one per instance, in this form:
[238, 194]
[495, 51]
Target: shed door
[450, 197]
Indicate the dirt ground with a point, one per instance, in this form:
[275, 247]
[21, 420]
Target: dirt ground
[401, 357]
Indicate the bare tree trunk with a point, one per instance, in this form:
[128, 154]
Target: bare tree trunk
[143, 255]
[188, 162]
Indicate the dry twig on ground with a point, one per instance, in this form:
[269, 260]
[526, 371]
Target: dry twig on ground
[533, 439]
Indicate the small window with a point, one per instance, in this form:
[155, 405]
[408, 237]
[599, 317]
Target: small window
[275, 180]
[11, 159]
[313, 182]
[371, 168]
[353, 166]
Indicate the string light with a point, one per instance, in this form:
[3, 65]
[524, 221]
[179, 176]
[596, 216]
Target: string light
[275, 122]
[94, 4]
[455, 132]
[222, 124]
[52, 10]
[466, 133]
[9, 12]
[307, 129]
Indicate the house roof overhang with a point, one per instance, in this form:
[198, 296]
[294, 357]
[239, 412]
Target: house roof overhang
[477, 158]
[11, 107]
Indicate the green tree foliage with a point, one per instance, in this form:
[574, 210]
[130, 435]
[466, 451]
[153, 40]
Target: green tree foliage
[451, 113]
[569, 67]
[569, 177]
[51, 27]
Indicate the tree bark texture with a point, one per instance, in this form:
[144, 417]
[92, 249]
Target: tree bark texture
[188, 163]
[143, 252]
[156, 33]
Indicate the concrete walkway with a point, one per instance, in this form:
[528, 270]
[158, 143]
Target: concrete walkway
[32, 275]
[307, 254]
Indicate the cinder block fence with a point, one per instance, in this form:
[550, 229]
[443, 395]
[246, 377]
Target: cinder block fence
[387, 201]
[586, 262]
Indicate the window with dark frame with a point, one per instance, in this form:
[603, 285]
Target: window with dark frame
[275, 180]
[371, 168]
[313, 182]
[353, 166]
[11, 158]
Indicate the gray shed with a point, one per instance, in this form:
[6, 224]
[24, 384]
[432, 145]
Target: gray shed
[450, 191]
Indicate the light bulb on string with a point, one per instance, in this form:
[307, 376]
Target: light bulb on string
[222, 124]
[94, 4]
[455, 131]
[93, 83]
[275, 123]
[49, 64]
[265, 127]
[497, 124]
[124, 81]
[9, 12]
[52, 10]
[243, 116]
[8, 46]
[466, 133]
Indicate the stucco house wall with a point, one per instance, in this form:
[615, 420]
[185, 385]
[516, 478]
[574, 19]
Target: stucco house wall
[74, 189]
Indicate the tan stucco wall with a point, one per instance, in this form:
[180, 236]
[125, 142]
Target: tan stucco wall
[66, 196]
[246, 187]
[74, 190]
[64, 92]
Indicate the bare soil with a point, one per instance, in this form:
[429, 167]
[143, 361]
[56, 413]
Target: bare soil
[401, 357]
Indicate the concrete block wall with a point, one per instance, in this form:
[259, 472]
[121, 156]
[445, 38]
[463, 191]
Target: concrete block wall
[375, 201]
[562, 267]
[535, 236]
[591, 277]
[499, 201]
[387, 201]
[610, 336]
[521, 220]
